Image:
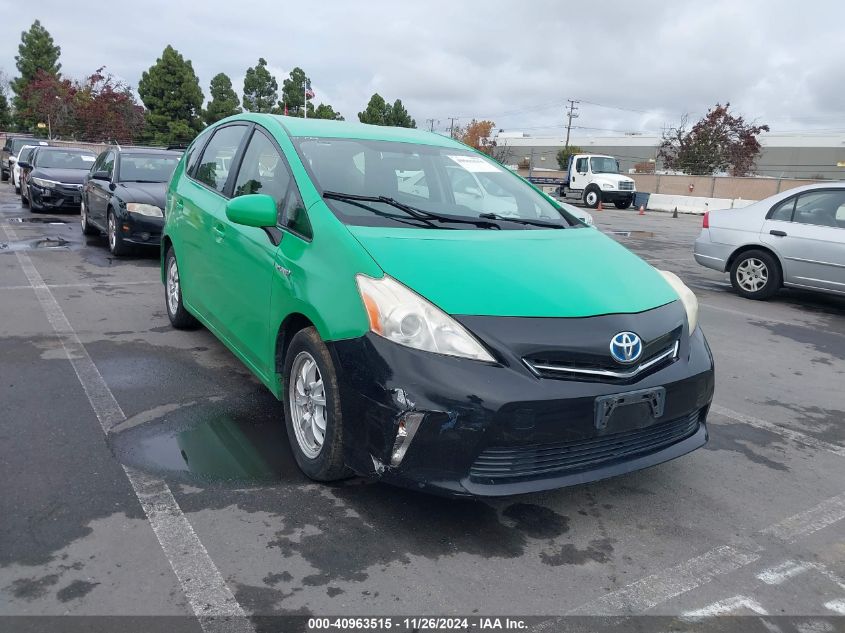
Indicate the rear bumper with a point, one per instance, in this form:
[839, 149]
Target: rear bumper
[711, 254]
[493, 430]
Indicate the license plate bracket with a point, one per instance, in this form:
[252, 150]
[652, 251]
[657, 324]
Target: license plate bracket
[654, 399]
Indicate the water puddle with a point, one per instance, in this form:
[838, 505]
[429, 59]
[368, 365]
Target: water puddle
[634, 234]
[41, 243]
[212, 441]
[37, 220]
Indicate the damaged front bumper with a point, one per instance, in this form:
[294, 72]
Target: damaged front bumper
[462, 427]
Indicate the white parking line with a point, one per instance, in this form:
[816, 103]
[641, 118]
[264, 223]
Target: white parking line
[210, 598]
[779, 574]
[795, 436]
[659, 587]
[727, 606]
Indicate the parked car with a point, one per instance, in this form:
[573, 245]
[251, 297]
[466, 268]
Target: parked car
[24, 154]
[418, 339]
[52, 178]
[10, 151]
[123, 195]
[795, 238]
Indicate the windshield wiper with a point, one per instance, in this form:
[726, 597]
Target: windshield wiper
[496, 216]
[414, 212]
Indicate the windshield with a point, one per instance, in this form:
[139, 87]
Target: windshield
[435, 180]
[17, 143]
[604, 165]
[64, 160]
[147, 167]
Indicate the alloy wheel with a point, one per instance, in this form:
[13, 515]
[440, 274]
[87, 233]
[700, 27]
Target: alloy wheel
[752, 274]
[592, 198]
[172, 286]
[112, 232]
[307, 404]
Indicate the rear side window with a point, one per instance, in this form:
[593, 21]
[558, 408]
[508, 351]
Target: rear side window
[783, 210]
[194, 152]
[216, 162]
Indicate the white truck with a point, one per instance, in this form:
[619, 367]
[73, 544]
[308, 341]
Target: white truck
[596, 178]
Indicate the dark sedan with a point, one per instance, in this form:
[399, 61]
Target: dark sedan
[123, 196]
[52, 178]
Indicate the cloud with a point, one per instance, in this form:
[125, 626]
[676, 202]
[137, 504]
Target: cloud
[516, 63]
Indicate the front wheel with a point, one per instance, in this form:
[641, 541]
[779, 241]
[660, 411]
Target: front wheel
[755, 275]
[312, 408]
[116, 244]
[623, 204]
[592, 197]
[180, 318]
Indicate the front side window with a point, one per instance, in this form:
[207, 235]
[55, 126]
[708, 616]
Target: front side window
[262, 171]
[25, 155]
[216, 162]
[295, 217]
[820, 208]
[108, 164]
[466, 190]
[581, 166]
[194, 152]
[64, 160]
[604, 165]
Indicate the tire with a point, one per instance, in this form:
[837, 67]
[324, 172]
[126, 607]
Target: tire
[24, 200]
[308, 357]
[623, 204]
[180, 318]
[592, 197]
[117, 246]
[756, 275]
[87, 227]
[4, 176]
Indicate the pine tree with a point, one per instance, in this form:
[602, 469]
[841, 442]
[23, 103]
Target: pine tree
[325, 111]
[171, 92]
[260, 88]
[293, 93]
[36, 52]
[224, 100]
[379, 112]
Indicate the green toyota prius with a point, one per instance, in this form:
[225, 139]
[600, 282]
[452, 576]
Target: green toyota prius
[426, 316]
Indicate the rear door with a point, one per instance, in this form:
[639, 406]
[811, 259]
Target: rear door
[200, 200]
[808, 232]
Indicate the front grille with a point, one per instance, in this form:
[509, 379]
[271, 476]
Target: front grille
[579, 365]
[496, 464]
[626, 186]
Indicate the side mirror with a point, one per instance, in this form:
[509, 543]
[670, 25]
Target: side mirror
[24, 164]
[101, 175]
[257, 209]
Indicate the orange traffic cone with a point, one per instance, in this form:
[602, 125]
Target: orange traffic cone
[642, 210]
[599, 208]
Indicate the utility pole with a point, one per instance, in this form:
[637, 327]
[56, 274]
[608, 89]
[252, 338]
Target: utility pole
[431, 123]
[571, 115]
[452, 120]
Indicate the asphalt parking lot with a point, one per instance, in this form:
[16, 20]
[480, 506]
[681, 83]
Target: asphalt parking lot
[109, 415]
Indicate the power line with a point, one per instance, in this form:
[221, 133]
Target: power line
[431, 123]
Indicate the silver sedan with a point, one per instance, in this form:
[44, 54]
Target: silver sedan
[795, 238]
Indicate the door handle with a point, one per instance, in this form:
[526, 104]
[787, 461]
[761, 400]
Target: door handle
[219, 230]
[284, 271]
[178, 203]
[778, 233]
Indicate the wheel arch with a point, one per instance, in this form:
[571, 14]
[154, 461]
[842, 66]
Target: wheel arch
[292, 323]
[166, 245]
[754, 247]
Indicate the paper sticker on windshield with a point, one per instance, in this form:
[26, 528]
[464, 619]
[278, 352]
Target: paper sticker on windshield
[474, 163]
[88, 159]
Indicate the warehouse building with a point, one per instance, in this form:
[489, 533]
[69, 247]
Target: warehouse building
[783, 156]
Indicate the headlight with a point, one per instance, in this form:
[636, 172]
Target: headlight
[402, 316]
[145, 209]
[46, 184]
[607, 185]
[687, 296]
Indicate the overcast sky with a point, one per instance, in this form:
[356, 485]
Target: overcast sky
[513, 62]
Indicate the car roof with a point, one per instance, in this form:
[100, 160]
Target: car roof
[53, 148]
[324, 128]
[147, 151]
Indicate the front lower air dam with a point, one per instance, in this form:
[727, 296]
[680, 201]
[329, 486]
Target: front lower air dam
[408, 425]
